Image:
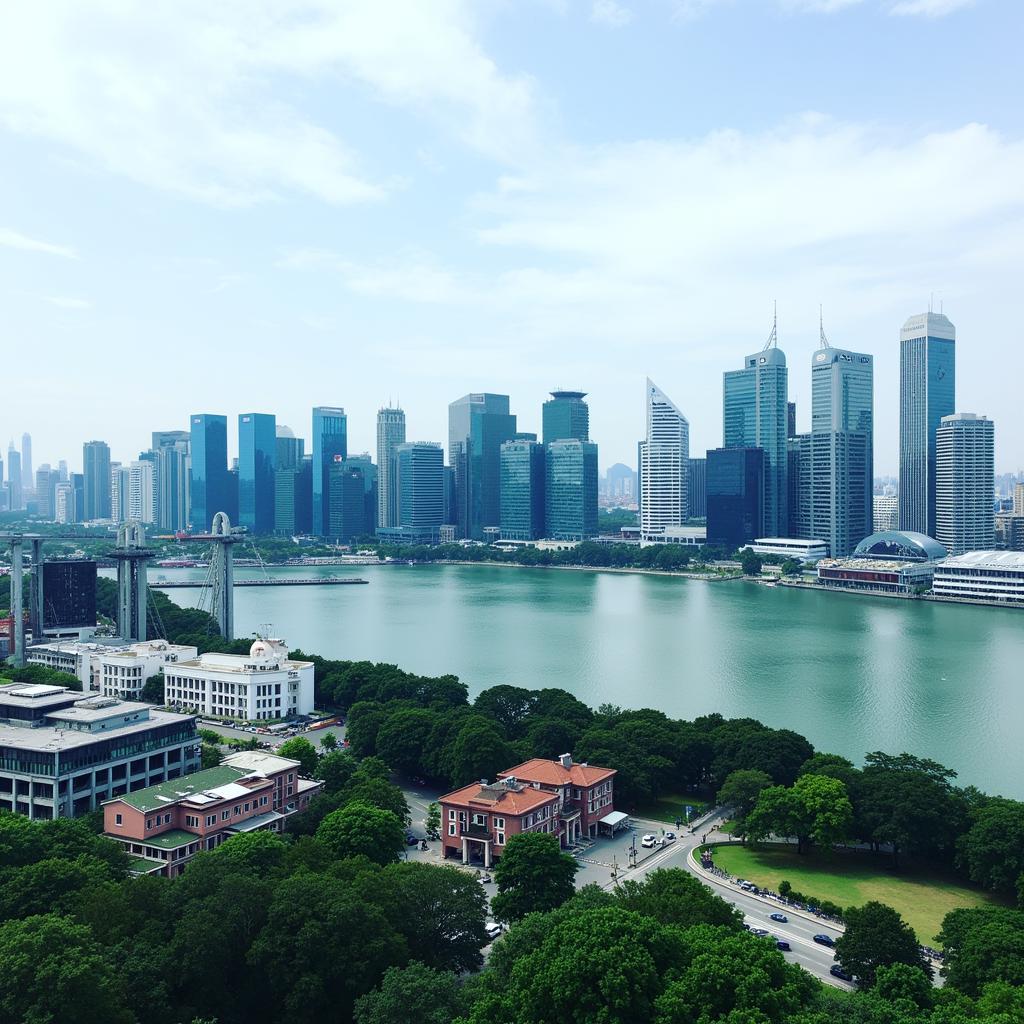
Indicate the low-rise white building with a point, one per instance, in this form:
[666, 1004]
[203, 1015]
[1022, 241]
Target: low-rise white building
[123, 672]
[262, 684]
[982, 576]
[790, 547]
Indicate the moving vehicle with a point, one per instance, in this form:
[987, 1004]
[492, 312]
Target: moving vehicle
[781, 918]
[649, 841]
[825, 940]
[759, 931]
[783, 945]
[493, 930]
[669, 837]
[837, 972]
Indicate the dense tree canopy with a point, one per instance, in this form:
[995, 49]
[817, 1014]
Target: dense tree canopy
[532, 875]
[876, 936]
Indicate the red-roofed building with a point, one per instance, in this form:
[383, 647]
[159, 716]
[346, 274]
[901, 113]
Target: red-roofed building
[565, 799]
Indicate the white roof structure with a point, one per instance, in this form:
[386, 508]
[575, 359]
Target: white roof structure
[995, 560]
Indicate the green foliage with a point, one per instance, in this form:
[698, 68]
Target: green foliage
[40, 674]
[362, 830]
[533, 874]
[153, 690]
[329, 741]
[876, 936]
[816, 809]
[298, 748]
[751, 562]
[982, 945]
[992, 850]
[674, 896]
[741, 789]
[335, 769]
[411, 994]
[209, 756]
[433, 820]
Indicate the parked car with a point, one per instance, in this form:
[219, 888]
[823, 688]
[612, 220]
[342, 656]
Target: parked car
[837, 972]
[649, 841]
[669, 837]
[747, 886]
[783, 945]
[759, 931]
[825, 940]
[781, 918]
[493, 930]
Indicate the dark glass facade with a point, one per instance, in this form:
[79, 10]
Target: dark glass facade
[566, 416]
[736, 486]
[257, 456]
[211, 485]
[69, 594]
[570, 490]
[293, 500]
[96, 464]
[347, 502]
[330, 445]
[522, 490]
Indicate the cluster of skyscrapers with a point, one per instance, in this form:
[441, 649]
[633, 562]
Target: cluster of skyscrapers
[769, 481]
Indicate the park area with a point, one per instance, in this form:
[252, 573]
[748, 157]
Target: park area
[850, 878]
[671, 807]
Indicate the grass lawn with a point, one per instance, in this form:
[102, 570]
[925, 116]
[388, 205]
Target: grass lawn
[851, 879]
[671, 806]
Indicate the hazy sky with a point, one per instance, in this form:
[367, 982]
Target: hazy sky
[251, 205]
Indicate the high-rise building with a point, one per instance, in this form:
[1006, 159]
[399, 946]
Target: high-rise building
[841, 453]
[289, 449]
[697, 488]
[885, 512]
[346, 502]
[330, 445]
[420, 483]
[736, 495]
[790, 419]
[293, 499]
[756, 415]
[798, 483]
[1018, 499]
[27, 475]
[210, 486]
[15, 500]
[570, 490]
[142, 491]
[620, 482]
[64, 503]
[522, 490]
[664, 469]
[169, 438]
[96, 467]
[390, 434]
[371, 479]
[964, 473]
[566, 415]
[62, 470]
[172, 473]
[257, 453]
[46, 485]
[120, 484]
[478, 425]
[927, 393]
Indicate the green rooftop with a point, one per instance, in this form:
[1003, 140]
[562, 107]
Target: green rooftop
[172, 840]
[165, 793]
[143, 864]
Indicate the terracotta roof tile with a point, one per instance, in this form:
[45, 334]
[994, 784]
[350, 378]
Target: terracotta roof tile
[500, 799]
[551, 773]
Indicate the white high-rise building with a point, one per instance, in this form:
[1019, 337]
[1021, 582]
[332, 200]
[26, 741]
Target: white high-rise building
[390, 434]
[964, 483]
[120, 484]
[141, 492]
[664, 467]
[1018, 500]
[64, 503]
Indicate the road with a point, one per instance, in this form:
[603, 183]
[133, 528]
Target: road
[237, 732]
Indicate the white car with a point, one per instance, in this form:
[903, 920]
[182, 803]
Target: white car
[493, 930]
[649, 841]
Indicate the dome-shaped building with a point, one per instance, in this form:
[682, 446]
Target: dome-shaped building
[900, 545]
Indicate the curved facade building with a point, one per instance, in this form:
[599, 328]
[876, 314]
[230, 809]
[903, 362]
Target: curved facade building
[901, 545]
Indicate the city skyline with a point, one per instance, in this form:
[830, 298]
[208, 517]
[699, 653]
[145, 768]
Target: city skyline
[389, 230]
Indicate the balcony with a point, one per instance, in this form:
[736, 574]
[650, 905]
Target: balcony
[475, 831]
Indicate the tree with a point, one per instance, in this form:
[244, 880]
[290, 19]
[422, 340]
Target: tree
[153, 690]
[992, 850]
[479, 751]
[877, 936]
[742, 788]
[750, 562]
[359, 829]
[982, 945]
[53, 970]
[433, 822]
[509, 706]
[674, 896]
[414, 993]
[298, 748]
[335, 770]
[533, 874]
[329, 741]
[403, 737]
[209, 756]
[815, 810]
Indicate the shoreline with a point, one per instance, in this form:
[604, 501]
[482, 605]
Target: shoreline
[679, 574]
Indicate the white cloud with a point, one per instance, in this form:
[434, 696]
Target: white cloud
[610, 13]
[67, 302]
[15, 240]
[930, 8]
[187, 97]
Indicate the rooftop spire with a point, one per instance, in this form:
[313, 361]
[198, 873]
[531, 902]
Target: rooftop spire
[773, 338]
[821, 329]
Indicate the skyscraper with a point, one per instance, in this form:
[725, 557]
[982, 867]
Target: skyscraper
[257, 452]
[927, 393]
[964, 479]
[478, 425]
[210, 484]
[46, 486]
[420, 482]
[14, 496]
[522, 489]
[142, 493]
[96, 467]
[390, 434]
[120, 485]
[27, 475]
[173, 472]
[697, 488]
[756, 415]
[664, 470]
[841, 447]
[736, 489]
[289, 449]
[570, 490]
[346, 502]
[330, 443]
[293, 498]
[566, 415]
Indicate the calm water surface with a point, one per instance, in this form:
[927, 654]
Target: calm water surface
[851, 673]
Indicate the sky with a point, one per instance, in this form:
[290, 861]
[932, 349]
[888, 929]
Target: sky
[262, 206]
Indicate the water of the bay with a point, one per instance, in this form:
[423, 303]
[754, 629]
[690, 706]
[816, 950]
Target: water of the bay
[850, 672]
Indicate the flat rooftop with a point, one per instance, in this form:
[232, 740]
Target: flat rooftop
[165, 793]
[259, 761]
[870, 564]
[995, 560]
[51, 739]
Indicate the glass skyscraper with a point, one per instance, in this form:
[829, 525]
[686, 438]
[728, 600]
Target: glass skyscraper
[664, 471]
[927, 393]
[390, 434]
[570, 490]
[96, 469]
[478, 425]
[756, 415]
[841, 448]
[697, 488]
[211, 483]
[330, 445]
[566, 415]
[257, 457]
[522, 490]
[964, 483]
[420, 481]
[736, 489]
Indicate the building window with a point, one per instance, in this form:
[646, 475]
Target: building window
[224, 815]
[499, 838]
[451, 829]
[117, 819]
[499, 822]
[211, 819]
[167, 819]
[149, 823]
[451, 815]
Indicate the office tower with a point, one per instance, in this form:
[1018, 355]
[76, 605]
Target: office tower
[330, 445]
[257, 452]
[3, 488]
[522, 490]
[790, 419]
[96, 470]
[478, 425]
[798, 484]
[46, 485]
[736, 495]
[27, 476]
[420, 482]
[570, 490]
[841, 448]
[664, 471]
[14, 495]
[120, 478]
[964, 472]
[885, 509]
[289, 449]
[371, 481]
[566, 415]
[390, 434]
[62, 470]
[78, 497]
[927, 393]
[346, 501]
[1018, 499]
[64, 503]
[141, 492]
[756, 414]
[620, 481]
[293, 499]
[169, 439]
[172, 478]
[451, 504]
[697, 488]
[210, 485]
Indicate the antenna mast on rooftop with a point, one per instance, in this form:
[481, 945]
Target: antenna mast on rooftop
[773, 338]
[821, 329]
